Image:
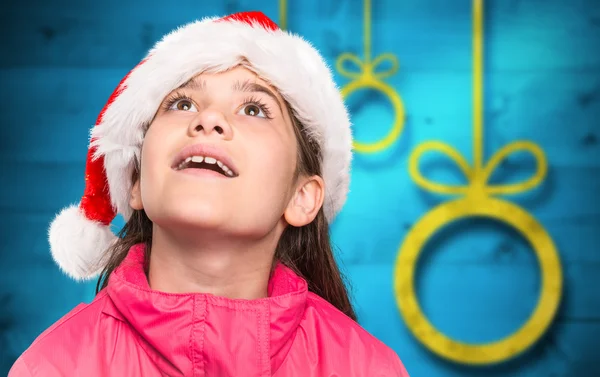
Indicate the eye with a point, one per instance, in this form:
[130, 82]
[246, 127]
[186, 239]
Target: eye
[183, 105]
[253, 110]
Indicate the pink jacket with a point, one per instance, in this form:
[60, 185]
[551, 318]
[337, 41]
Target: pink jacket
[131, 330]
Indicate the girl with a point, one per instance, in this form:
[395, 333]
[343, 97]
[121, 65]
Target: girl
[227, 150]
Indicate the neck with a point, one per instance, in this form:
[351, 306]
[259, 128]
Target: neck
[225, 267]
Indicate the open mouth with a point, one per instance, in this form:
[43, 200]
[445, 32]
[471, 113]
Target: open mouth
[208, 163]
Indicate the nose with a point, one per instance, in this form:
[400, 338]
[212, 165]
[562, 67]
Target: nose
[210, 121]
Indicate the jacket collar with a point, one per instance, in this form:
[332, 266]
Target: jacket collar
[186, 334]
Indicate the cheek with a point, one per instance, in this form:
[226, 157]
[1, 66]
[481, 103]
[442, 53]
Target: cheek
[154, 158]
[150, 152]
[275, 159]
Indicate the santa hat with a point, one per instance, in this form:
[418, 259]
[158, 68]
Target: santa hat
[80, 235]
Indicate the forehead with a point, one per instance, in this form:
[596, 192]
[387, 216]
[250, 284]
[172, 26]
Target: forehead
[231, 79]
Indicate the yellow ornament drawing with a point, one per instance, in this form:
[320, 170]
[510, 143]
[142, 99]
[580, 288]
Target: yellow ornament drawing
[283, 14]
[478, 201]
[370, 76]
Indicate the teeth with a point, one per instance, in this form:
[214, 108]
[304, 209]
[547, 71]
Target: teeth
[208, 160]
[183, 163]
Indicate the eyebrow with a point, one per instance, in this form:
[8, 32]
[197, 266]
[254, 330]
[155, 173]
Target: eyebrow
[194, 84]
[239, 86]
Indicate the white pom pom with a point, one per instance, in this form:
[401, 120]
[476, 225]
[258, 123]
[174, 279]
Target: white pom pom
[78, 243]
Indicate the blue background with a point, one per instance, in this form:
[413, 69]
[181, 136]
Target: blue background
[477, 281]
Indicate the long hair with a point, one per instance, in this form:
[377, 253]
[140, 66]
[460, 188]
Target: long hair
[306, 250]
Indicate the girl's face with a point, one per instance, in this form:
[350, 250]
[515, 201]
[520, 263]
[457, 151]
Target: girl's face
[242, 122]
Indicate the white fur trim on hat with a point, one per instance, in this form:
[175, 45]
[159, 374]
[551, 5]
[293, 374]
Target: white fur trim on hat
[81, 261]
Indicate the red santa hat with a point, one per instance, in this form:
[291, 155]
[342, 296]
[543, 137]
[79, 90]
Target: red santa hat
[80, 235]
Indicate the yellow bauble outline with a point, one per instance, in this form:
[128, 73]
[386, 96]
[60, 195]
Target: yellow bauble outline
[390, 93]
[370, 76]
[534, 327]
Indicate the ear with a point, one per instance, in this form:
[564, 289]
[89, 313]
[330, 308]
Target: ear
[135, 201]
[306, 201]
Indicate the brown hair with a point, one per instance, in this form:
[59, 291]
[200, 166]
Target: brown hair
[306, 250]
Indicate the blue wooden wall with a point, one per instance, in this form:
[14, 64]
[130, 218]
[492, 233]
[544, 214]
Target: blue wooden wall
[477, 281]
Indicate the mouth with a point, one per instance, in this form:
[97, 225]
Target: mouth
[207, 163]
[205, 158]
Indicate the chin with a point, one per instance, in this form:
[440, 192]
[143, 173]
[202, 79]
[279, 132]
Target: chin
[189, 214]
[209, 220]
[211, 211]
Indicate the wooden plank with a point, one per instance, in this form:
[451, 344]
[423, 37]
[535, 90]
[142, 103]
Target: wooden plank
[559, 36]
[569, 347]
[53, 115]
[581, 300]
[579, 341]
[547, 108]
[474, 242]
[116, 34]
[27, 245]
[436, 35]
[464, 300]
[24, 290]
[384, 205]
[520, 106]
[472, 303]
[41, 187]
[418, 45]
